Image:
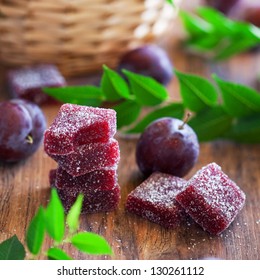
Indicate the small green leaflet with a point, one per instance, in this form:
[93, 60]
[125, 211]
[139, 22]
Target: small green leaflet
[127, 113]
[211, 123]
[231, 49]
[216, 19]
[113, 86]
[57, 254]
[238, 100]
[175, 110]
[12, 249]
[246, 130]
[146, 90]
[208, 25]
[81, 95]
[74, 213]
[197, 93]
[91, 243]
[204, 42]
[195, 26]
[54, 217]
[35, 232]
[170, 2]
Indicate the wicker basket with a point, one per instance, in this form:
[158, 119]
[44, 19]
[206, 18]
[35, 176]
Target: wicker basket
[78, 36]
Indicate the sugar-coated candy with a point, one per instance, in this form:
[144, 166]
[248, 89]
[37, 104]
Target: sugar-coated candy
[98, 200]
[90, 157]
[77, 125]
[98, 179]
[27, 82]
[212, 199]
[100, 189]
[155, 200]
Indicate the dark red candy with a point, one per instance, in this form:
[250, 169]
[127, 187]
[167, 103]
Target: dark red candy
[27, 82]
[155, 200]
[212, 199]
[100, 189]
[99, 200]
[90, 157]
[98, 179]
[77, 125]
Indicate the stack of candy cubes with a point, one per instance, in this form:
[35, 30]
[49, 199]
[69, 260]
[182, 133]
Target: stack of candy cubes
[81, 140]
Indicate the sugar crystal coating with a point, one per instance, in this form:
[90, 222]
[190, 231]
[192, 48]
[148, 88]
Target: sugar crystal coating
[212, 199]
[100, 189]
[27, 82]
[90, 157]
[98, 179]
[99, 200]
[155, 200]
[77, 125]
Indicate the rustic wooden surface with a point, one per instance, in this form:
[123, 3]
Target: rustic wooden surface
[24, 187]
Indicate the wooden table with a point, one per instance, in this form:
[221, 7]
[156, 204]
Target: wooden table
[24, 187]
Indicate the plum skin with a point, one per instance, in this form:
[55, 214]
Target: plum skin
[22, 125]
[223, 6]
[167, 148]
[148, 60]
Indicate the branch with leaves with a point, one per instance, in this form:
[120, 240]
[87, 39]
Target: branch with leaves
[51, 220]
[211, 32]
[221, 109]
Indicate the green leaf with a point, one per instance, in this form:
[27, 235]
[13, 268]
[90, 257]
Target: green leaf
[232, 49]
[147, 91]
[12, 249]
[174, 110]
[127, 112]
[238, 99]
[91, 243]
[195, 26]
[81, 95]
[203, 42]
[171, 2]
[57, 254]
[74, 213]
[54, 217]
[35, 232]
[197, 93]
[214, 34]
[114, 87]
[211, 123]
[220, 23]
[246, 130]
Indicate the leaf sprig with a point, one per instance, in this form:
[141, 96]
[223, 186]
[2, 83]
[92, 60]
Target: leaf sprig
[51, 220]
[129, 98]
[211, 32]
[229, 105]
[220, 109]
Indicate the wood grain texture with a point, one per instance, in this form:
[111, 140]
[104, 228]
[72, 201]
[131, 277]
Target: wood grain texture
[24, 187]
